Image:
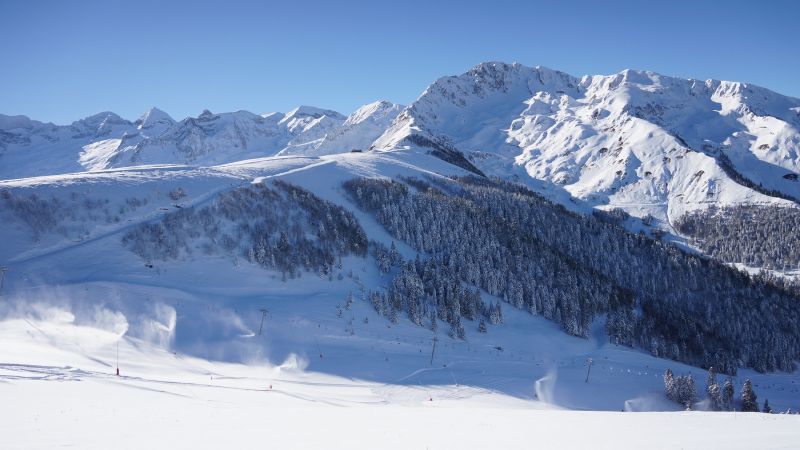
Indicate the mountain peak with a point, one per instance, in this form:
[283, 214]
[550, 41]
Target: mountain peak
[313, 112]
[19, 121]
[375, 110]
[154, 116]
[105, 116]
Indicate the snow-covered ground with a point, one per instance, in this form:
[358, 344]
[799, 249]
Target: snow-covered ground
[196, 372]
[376, 388]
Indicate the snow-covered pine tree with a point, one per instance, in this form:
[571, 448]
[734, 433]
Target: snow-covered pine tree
[394, 256]
[727, 395]
[713, 390]
[457, 329]
[749, 399]
[687, 391]
[349, 301]
[495, 314]
[680, 389]
[669, 384]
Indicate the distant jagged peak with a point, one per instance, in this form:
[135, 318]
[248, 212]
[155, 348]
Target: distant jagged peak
[154, 116]
[375, 111]
[105, 117]
[312, 112]
[98, 125]
[206, 115]
[273, 117]
[499, 74]
[497, 80]
[18, 122]
[317, 121]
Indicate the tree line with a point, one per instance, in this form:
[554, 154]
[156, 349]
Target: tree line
[569, 268]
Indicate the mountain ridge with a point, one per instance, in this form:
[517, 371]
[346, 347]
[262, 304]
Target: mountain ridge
[650, 144]
[653, 145]
[106, 140]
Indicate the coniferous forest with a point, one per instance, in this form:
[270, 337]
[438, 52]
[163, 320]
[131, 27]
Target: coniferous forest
[476, 236]
[572, 269]
[757, 236]
[280, 227]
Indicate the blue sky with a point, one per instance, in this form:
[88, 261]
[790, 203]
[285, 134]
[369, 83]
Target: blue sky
[63, 60]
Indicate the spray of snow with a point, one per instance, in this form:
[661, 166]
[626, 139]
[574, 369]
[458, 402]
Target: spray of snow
[159, 329]
[545, 387]
[113, 321]
[54, 306]
[649, 402]
[49, 313]
[292, 363]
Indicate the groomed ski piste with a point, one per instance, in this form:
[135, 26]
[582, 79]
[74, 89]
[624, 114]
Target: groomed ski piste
[216, 352]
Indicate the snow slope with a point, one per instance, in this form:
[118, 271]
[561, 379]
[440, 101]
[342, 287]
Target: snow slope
[195, 368]
[31, 148]
[164, 399]
[196, 362]
[361, 128]
[637, 140]
[67, 395]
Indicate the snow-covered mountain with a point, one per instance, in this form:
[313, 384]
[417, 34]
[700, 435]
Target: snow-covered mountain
[637, 140]
[105, 140]
[30, 148]
[173, 271]
[652, 145]
[357, 132]
[647, 143]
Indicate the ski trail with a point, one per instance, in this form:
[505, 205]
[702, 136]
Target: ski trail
[26, 372]
[198, 201]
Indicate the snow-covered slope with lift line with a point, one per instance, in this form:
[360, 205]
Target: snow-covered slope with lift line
[199, 368]
[192, 351]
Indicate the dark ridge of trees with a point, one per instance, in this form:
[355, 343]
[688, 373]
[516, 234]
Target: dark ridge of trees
[444, 151]
[66, 216]
[569, 268]
[428, 291]
[754, 235]
[727, 166]
[282, 227]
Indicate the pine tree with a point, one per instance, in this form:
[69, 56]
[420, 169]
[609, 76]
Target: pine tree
[687, 391]
[680, 389]
[495, 314]
[749, 399]
[767, 409]
[394, 256]
[713, 390]
[727, 395]
[457, 329]
[349, 300]
[669, 384]
[482, 326]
